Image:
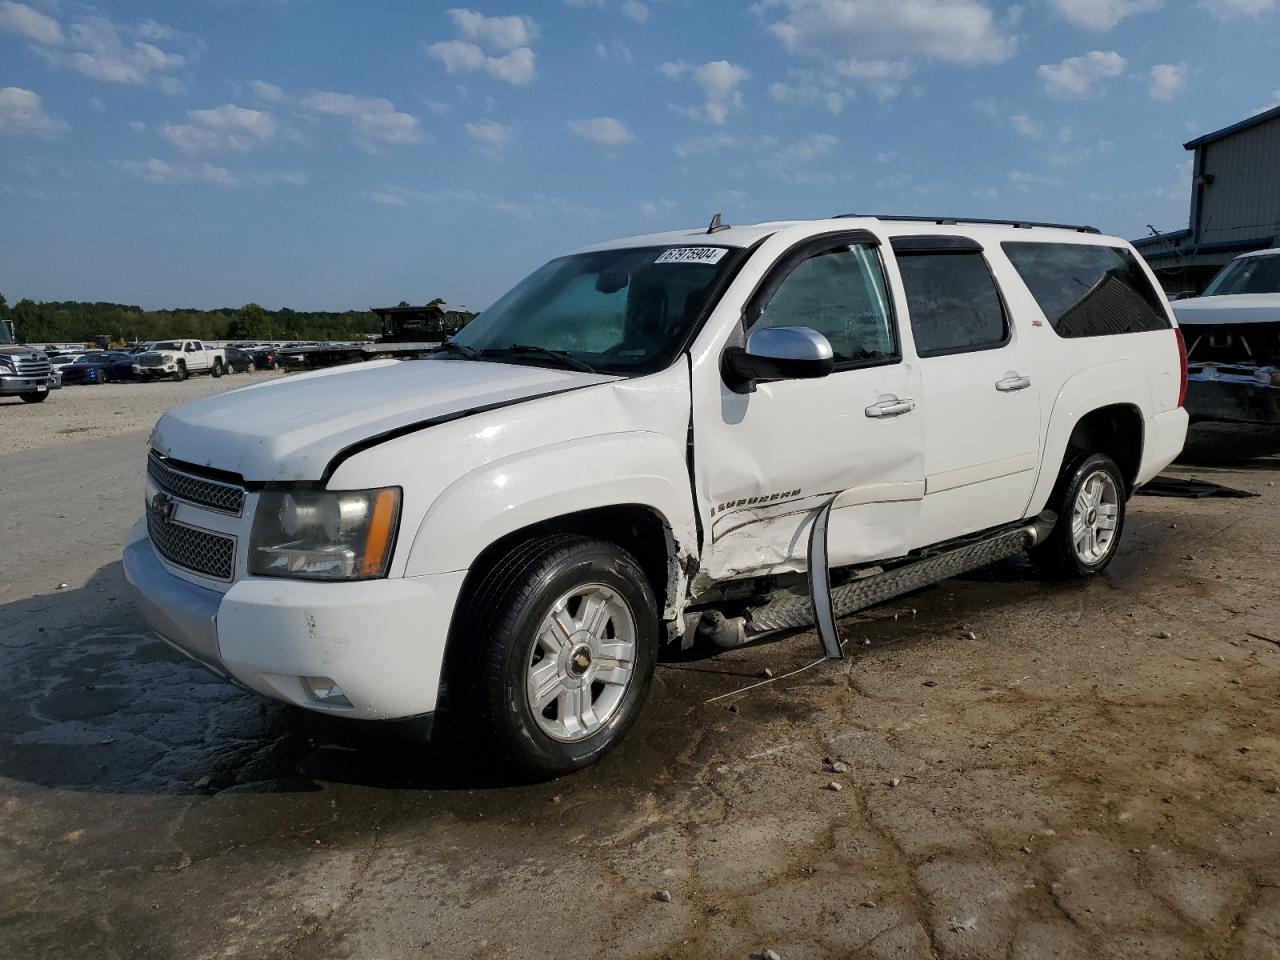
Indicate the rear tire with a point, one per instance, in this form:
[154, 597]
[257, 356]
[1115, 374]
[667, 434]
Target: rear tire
[35, 397]
[1090, 502]
[564, 631]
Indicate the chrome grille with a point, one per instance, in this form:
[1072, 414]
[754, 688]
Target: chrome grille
[28, 366]
[151, 360]
[202, 552]
[223, 497]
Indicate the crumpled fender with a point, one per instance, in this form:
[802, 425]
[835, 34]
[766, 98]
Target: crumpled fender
[478, 508]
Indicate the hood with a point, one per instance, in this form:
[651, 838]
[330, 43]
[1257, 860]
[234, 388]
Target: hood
[290, 429]
[17, 350]
[1237, 308]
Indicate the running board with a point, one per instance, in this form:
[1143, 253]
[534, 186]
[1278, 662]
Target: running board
[792, 611]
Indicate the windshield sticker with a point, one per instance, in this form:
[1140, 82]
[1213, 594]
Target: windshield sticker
[692, 255]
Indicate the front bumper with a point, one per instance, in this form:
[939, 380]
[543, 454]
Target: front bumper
[157, 369]
[381, 641]
[1234, 393]
[11, 385]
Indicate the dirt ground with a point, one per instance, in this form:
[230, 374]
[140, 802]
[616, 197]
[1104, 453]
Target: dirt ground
[1092, 774]
[83, 411]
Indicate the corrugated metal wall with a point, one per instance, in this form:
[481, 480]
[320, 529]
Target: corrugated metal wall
[1243, 202]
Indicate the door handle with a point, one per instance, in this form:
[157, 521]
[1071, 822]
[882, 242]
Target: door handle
[1010, 384]
[890, 408]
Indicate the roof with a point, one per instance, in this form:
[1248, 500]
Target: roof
[747, 235]
[1255, 120]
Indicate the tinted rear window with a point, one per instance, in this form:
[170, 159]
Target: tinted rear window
[953, 301]
[1088, 291]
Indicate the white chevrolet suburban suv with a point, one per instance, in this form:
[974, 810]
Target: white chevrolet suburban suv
[725, 432]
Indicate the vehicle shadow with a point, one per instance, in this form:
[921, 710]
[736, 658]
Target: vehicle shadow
[90, 700]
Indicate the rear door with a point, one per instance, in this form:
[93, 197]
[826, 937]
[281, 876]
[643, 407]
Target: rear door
[981, 408]
[765, 462]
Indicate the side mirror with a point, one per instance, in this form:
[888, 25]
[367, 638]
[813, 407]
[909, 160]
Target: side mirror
[776, 353]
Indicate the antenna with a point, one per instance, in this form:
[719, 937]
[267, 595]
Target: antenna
[716, 226]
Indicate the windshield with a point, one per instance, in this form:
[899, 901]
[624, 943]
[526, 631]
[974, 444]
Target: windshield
[618, 311]
[167, 345]
[1247, 275]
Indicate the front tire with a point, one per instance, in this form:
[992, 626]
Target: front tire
[569, 627]
[216, 370]
[1090, 502]
[34, 397]
[180, 374]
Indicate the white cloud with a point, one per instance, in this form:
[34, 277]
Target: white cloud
[1028, 182]
[814, 87]
[459, 56]
[266, 92]
[228, 127]
[22, 112]
[951, 31]
[1229, 9]
[657, 208]
[20, 19]
[1077, 76]
[103, 50]
[635, 10]
[1026, 127]
[502, 34]
[490, 136]
[1167, 80]
[500, 46]
[156, 170]
[719, 81]
[609, 131]
[1275, 102]
[1102, 15]
[708, 145]
[374, 120]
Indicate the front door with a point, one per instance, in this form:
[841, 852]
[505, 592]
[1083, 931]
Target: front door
[981, 410]
[765, 462]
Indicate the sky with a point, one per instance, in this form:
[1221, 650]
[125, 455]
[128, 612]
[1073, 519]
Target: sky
[335, 155]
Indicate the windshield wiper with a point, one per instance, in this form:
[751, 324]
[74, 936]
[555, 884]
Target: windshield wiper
[461, 349]
[562, 356]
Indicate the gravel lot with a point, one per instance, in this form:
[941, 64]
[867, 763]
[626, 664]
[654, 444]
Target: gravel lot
[1095, 773]
[88, 412]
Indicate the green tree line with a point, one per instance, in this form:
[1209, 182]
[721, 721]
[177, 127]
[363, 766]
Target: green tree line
[73, 321]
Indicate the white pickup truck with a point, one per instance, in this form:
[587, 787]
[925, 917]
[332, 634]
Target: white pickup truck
[723, 432]
[179, 359]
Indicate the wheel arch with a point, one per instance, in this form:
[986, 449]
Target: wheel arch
[1104, 404]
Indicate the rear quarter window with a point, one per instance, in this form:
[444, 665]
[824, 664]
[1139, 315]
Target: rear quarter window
[1088, 291]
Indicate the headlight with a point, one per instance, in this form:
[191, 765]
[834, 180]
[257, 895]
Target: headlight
[167, 358]
[7, 365]
[324, 535]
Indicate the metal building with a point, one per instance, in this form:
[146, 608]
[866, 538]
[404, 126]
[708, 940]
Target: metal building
[1235, 204]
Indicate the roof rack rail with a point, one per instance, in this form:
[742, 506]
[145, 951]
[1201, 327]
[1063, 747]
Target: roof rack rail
[952, 221]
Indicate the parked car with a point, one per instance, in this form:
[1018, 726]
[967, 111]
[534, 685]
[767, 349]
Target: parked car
[724, 433]
[1233, 334]
[99, 367]
[239, 361]
[266, 358]
[60, 360]
[25, 372]
[179, 359]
